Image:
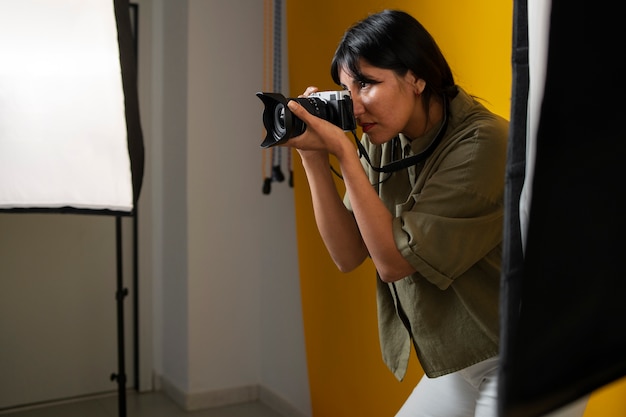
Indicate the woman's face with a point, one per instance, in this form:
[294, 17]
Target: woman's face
[385, 103]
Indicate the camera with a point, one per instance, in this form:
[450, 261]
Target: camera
[281, 124]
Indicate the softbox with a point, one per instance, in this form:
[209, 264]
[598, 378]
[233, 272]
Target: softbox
[70, 134]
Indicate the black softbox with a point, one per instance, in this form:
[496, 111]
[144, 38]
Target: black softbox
[564, 291]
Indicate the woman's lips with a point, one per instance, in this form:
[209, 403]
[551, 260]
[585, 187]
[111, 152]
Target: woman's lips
[367, 126]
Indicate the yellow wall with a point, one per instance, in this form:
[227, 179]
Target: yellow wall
[346, 373]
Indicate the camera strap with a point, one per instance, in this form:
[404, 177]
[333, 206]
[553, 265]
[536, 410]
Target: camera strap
[411, 160]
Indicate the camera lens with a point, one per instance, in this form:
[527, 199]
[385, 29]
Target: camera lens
[279, 122]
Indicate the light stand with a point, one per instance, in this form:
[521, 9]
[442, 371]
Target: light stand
[120, 294]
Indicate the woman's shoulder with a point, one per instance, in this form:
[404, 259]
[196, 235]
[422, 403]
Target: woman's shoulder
[468, 114]
[477, 137]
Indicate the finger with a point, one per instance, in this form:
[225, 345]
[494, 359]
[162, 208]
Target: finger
[297, 109]
[309, 90]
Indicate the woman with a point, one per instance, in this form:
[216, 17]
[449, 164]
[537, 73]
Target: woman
[427, 208]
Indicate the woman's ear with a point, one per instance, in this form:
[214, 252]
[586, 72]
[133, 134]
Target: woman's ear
[418, 84]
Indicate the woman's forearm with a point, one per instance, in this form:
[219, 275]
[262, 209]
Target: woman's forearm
[335, 222]
[374, 222]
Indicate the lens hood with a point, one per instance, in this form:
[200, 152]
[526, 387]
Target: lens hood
[279, 122]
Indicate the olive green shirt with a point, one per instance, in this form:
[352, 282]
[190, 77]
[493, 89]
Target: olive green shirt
[448, 218]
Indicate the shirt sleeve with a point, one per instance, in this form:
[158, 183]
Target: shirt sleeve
[455, 217]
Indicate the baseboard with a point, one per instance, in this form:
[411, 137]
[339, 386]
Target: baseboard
[209, 399]
[278, 403]
[228, 396]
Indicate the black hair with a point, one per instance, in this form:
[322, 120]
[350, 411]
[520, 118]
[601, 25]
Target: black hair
[395, 40]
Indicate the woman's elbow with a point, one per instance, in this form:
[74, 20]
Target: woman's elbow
[389, 278]
[347, 265]
[394, 273]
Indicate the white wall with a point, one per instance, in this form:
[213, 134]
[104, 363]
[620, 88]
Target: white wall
[227, 313]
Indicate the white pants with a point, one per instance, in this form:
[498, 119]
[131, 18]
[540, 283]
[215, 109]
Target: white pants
[470, 392]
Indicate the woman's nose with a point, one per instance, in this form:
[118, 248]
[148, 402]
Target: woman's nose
[357, 106]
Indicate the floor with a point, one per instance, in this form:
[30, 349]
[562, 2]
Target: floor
[153, 404]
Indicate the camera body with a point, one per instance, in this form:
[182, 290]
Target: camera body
[281, 124]
[340, 107]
